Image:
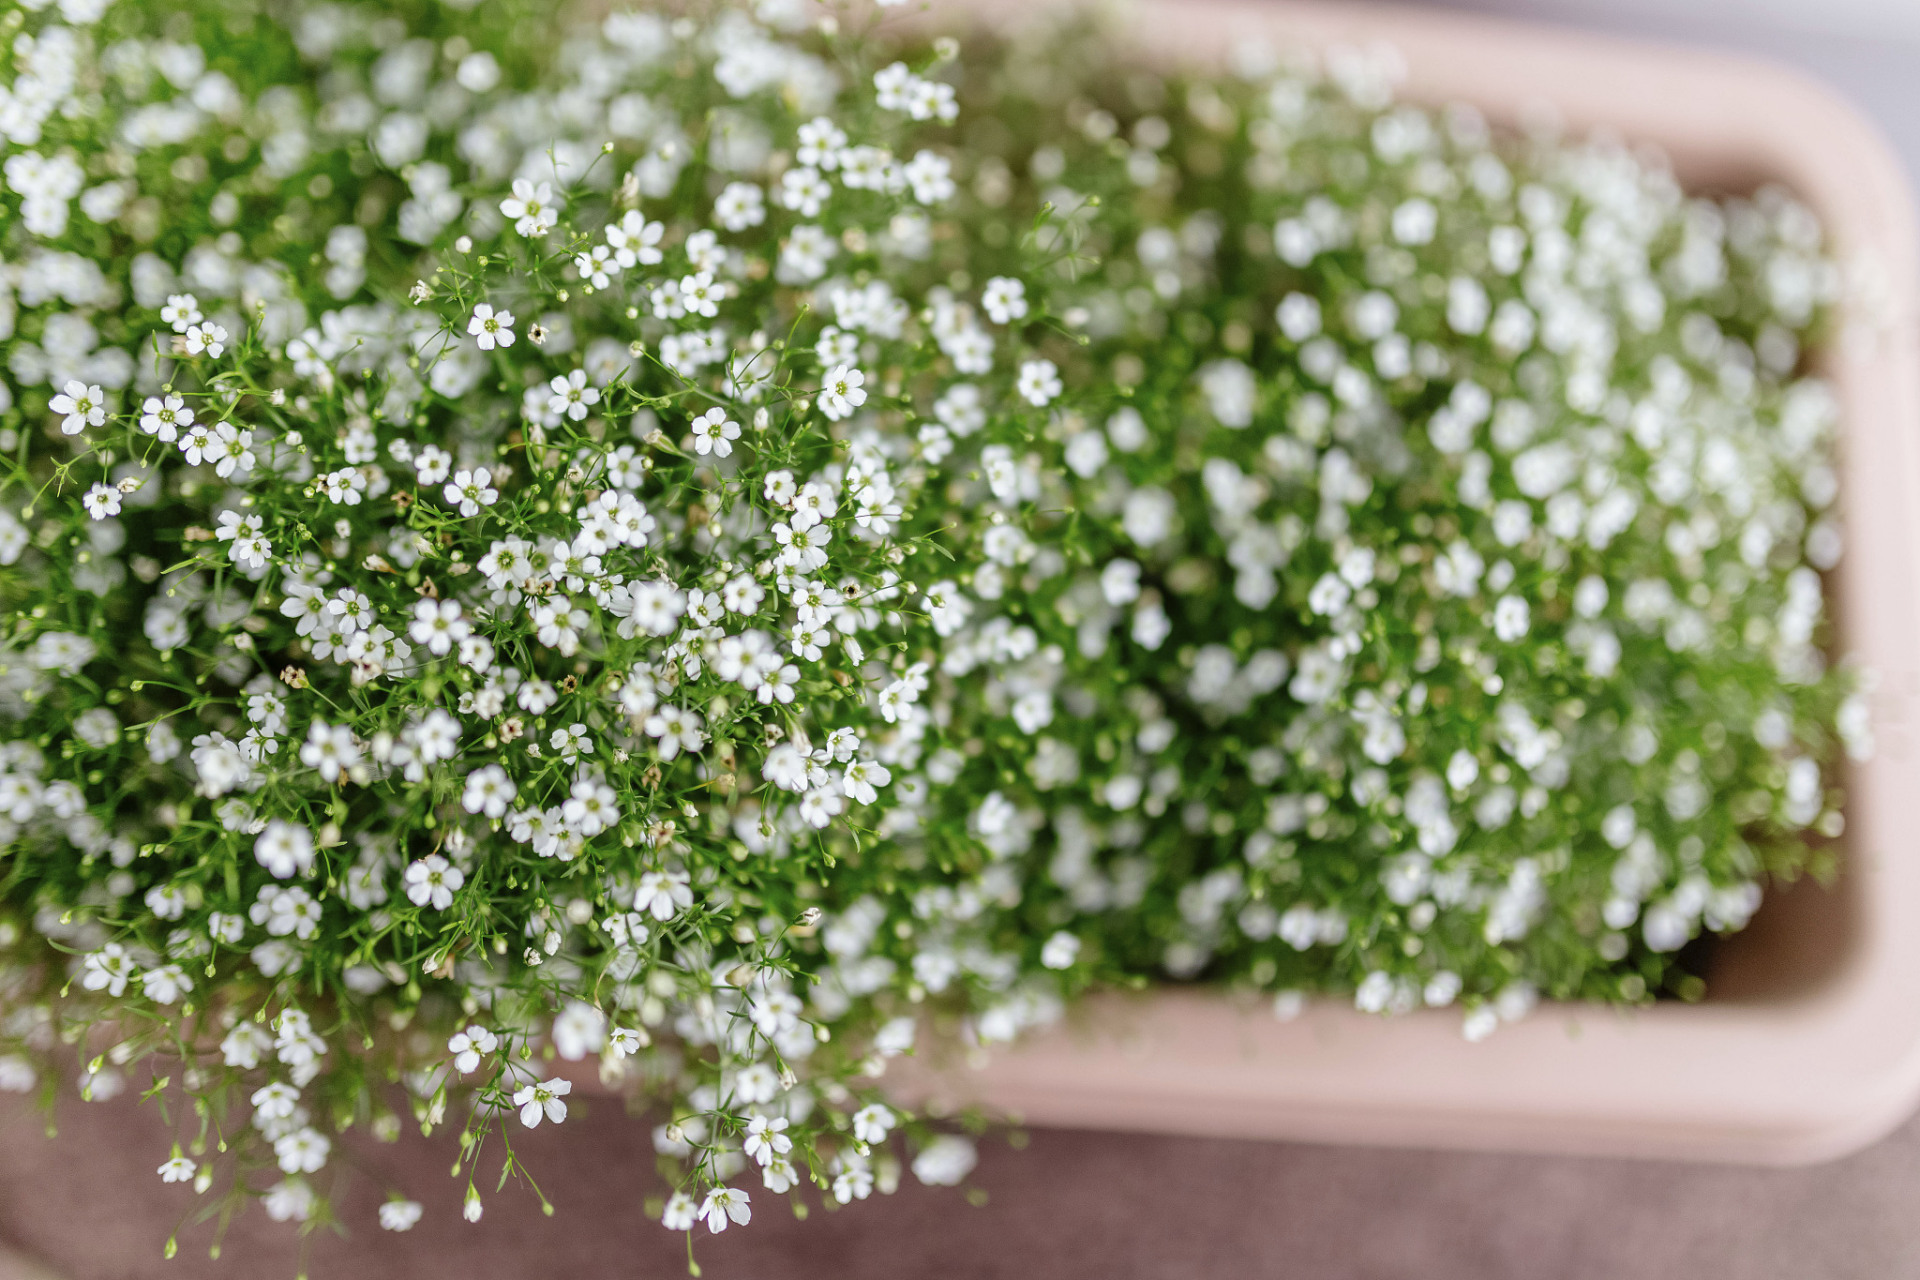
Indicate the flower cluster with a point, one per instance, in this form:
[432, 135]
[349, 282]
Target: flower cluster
[633, 557]
[1418, 594]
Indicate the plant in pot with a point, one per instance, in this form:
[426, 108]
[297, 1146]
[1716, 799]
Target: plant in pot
[702, 554]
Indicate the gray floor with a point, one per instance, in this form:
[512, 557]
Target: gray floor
[1071, 1205]
[1077, 1204]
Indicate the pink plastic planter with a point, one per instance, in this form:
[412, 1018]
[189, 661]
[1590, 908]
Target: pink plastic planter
[1808, 1045]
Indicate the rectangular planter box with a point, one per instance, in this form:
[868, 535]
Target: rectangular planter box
[1808, 1043]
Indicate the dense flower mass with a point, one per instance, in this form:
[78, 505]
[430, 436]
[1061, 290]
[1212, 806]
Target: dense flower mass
[711, 552]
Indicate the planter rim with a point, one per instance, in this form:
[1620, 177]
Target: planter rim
[1787, 1073]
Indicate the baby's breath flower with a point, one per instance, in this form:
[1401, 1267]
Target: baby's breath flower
[543, 1097]
[471, 490]
[1039, 382]
[490, 328]
[432, 881]
[714, 432]
[80, 407]
[101, 501]
[534, 208]
[842, 391]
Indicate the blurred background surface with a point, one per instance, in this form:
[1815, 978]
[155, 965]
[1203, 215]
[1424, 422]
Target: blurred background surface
[1868, 50]
[1071, 1206]
[1074, 1205]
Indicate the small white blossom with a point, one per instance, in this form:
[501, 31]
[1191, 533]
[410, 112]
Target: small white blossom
[542, 1097]
[1039, 382]
[80, 407]
[490, 328]
[432, 881]
[535, 210]
[842, 391]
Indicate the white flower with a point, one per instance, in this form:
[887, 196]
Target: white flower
[469, 1046]
[101, 501]
[400, 1215]
[17, 1074]
[1039, 382]
[489, 791]
[1004, 299]
[741, 205]
[945, 1161]
[597, 266]
[244, 1044]
[895, 1036]
[178, 1169]
[661, 894]
[1511, 618]
[165, 418]
[1032, 711]
[821, 141]
[471, 490]
[181, 312]
[855, 1178]
[209, 339]
[821, 806]
[930, 176]
[862, 777]
[285, 849]
[1061, 950]
[700, 295]
[433, 880]
[543, 1096]
[723, 1203]
[678, 729]
[431, 464]
[1120, 582]
[578, 1030]
[930, 99]
[534, 210]
[63, 651]
[803, 190]
[779, 1176]
[330, 749]
[842, 391]
[439, 625]
[714, 432]
[304, 1150]
[286, 910]
[766, 1138]
[166, 984]
[344, 486]
[571, 395]
[873, 1122]
[291, 1200]
[1329, 595]
[635, 241]
[490, 328]
[81, 406]
[276, 1101]
[679, 1214]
